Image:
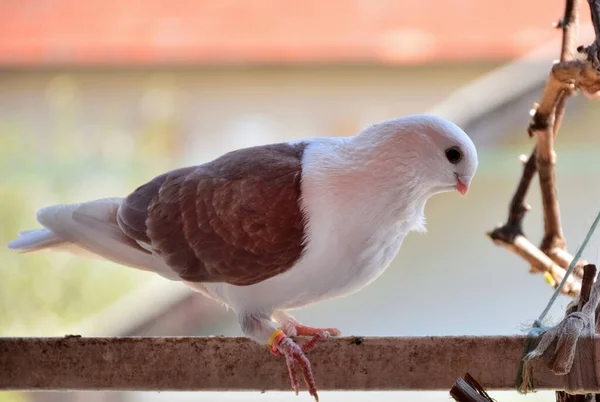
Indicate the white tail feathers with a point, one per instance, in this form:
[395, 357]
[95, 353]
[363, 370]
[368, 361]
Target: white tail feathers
[33, 240]
[89, 229]
[44, 240]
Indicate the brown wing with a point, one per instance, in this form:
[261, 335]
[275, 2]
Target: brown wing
[236, 219]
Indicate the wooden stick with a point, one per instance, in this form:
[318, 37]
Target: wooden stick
[216, 363]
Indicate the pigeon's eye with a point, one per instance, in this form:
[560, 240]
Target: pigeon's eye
[454, 155]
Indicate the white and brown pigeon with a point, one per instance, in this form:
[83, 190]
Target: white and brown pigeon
[273, 228]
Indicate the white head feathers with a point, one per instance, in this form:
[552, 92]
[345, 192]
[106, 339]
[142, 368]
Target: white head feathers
[424, 148]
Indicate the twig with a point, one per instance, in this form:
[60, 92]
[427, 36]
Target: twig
[560, 113]
[570, 29]
[595, 13]
[542, 126]
[521, 246]
[518, 206]
[589, 277]
[593, 51]
[467, 389]
[566, 77]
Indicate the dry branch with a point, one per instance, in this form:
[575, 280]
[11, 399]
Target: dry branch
[178, 364]
[570, 74]
[521, 246]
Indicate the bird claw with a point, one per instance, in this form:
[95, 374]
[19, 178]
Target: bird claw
[291, 365]
[310, 331]
[317, 337]
[295, 354]
[293, 328]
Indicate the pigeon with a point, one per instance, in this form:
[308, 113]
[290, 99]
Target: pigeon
[273, 228]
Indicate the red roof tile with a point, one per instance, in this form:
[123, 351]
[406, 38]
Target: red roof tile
[140, 32]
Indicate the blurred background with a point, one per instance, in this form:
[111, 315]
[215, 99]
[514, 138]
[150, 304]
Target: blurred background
[97, 97]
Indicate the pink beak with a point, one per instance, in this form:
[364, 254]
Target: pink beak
[462, 185]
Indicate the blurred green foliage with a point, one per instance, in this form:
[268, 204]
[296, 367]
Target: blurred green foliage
[43, 294]
[46, 294]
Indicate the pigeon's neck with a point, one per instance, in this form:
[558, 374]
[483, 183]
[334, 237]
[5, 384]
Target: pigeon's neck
[362, 177]
[385, 171]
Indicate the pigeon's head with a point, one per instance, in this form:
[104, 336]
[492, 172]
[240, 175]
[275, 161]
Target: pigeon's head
[430, 150]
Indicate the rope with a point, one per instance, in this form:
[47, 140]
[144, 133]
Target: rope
[566, 329]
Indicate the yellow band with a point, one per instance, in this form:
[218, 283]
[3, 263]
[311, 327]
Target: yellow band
[273, 336]
[549, 278]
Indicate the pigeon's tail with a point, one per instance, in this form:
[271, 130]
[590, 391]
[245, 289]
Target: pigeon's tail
[89, 229]
[34, 240]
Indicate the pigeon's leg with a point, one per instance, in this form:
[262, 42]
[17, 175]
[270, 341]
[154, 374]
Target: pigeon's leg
[292, 328]
[261, 329]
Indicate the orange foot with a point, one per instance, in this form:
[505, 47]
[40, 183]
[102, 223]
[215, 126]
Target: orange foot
[280, 342]
[293, 328]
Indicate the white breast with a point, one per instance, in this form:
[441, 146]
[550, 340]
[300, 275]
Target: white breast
[338, 260]
[350, 240]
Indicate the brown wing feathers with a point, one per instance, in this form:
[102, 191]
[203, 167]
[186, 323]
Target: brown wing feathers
[236, 219]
